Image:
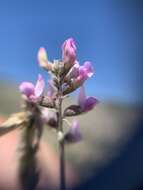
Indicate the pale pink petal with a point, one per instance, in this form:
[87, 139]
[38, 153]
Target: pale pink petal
[88, 68]
[75, 131]
[85, 71]
[49, 117]
[74, 134]
[42, 56]
[51, 88]
[86, 103]
[26, 88]
[82, 73]
[69, 51]
[81, 97]
[39, 87]
[74, 72]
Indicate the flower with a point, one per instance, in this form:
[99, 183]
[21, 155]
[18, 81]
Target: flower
[86, 103]
[73, 135]
[32, 93]
[80, 73]
[85, 72]
[43, 59]
[69, 51]
[77, 75]
[49, 118]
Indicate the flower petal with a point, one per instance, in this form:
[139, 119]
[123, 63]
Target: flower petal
[85, 71]
[26, 88]
[82, 97]
[42, 56]
[74, 134]
[90, 103]
[69, 50]
[43, 59]
[88, 68]
[82, 73]
[39, 87]
[49, 117]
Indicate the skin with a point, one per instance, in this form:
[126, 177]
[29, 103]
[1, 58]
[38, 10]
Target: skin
[47, 159]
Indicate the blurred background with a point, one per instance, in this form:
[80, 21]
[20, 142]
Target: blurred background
[109, 33]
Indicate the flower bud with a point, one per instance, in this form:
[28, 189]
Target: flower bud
[43, 60]
[49, 118]
[86, 103]
[77, 76]
[74, 134]
[85, 71]
[69, 53]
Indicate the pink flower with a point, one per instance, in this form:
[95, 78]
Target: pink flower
[32, 93]
[49, 118]
[69, 51]
[77, 75]
[85, 71]
[73, 135]
[86, 103]
[80, 73]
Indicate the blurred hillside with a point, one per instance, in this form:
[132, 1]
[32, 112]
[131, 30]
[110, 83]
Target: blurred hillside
[112, 146]
[9, 97]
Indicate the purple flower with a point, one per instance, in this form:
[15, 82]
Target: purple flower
[80, 73]
[86, 103]
[32, 93]
[69, 51]
[49, 117]
[77, 75]
[73, 135]
[85, 71]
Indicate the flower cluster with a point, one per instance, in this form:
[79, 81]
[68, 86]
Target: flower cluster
[31, 92]
[66, 76]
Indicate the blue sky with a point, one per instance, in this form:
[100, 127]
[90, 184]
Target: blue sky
[108, 33]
